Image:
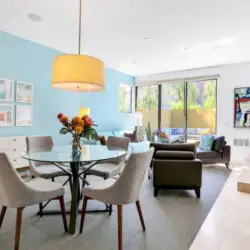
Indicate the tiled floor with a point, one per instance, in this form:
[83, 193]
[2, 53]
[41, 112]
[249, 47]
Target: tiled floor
[227, 226]
[172, 220]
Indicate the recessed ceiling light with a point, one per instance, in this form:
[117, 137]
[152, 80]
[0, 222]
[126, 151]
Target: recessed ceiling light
[148, 38]
[34, 17]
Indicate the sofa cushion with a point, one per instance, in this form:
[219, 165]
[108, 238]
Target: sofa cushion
[168, 154]
[218, 143]
[201, 153]
[206, 142]
[174, 146]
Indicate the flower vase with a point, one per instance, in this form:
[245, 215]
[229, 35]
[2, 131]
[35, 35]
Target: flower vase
[76, 145]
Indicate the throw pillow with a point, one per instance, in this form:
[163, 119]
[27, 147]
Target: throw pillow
[218, 143]
[206, 142]
[133, 137]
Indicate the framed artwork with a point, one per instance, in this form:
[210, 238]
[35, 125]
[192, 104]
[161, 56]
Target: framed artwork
[6, 90]
[242, 107]
[24, 92]
[23, 115]
[6, 115]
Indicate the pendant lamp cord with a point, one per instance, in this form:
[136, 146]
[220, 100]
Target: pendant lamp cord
[80, 27]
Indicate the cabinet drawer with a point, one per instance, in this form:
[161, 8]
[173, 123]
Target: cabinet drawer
[13, 142]
[20, 142]
[12, 153]
[19, 162]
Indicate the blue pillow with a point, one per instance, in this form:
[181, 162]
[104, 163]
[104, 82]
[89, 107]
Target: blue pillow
[176, 131]
[206, 142]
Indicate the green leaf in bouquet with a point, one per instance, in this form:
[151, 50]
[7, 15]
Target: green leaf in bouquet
[64, 131]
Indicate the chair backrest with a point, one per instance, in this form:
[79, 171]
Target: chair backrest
[118, 142]
[35, 142]
[13, 190]
[127, 188]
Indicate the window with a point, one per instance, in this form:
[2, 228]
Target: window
[147, 104]
[125, 104]
[183, 110]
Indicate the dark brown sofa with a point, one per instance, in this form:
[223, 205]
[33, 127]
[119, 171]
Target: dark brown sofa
[174, 166]
[220, 152]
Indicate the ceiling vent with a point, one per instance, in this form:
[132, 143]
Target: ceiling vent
[34, 17]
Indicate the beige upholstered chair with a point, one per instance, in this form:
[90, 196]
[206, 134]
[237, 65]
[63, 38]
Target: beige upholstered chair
[109, 168]
[41, 169]
[123, 191]
[16, 193]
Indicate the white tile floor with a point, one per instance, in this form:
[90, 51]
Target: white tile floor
[227, 226]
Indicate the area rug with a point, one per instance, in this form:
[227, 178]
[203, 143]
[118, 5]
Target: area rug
[172, 219]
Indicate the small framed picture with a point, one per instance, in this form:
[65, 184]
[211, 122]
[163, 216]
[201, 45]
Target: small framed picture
[6, 115]
[6, 90]
[23, 115]
[24, 92]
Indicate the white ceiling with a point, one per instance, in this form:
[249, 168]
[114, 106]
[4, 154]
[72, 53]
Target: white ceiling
[213, 31]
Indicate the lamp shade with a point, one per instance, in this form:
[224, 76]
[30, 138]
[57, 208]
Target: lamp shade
[78, 73]
[83, 111]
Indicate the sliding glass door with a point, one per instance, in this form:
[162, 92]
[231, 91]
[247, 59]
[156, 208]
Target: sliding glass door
[147, 103]
[182, 110]
[201, 109]
[172, 111]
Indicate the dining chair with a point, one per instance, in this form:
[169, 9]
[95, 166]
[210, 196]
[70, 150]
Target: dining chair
[111, 167]
[42, 169]
[120, 192]
[15, 193]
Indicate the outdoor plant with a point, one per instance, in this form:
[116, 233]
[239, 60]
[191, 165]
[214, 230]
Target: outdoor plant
[149, 132]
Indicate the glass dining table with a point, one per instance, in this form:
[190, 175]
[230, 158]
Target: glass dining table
[89, 155]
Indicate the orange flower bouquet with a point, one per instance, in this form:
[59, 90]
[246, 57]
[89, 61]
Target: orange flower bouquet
[79, 127]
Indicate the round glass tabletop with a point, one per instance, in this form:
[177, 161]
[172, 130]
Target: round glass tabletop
[64, 154]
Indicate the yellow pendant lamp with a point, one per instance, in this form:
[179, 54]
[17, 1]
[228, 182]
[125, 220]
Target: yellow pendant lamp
[78, 72]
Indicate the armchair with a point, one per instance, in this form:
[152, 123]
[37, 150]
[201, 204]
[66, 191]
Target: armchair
[174, 166]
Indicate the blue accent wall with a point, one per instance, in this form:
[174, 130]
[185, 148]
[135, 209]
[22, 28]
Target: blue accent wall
[22, 60]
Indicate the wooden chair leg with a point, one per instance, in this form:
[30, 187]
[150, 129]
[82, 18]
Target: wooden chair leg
[3, 211]
[18, 227]
[119, 217]
[84, 206]
[138, 205]
[62, 205]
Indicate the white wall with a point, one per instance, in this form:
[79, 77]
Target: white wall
[230, 76]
